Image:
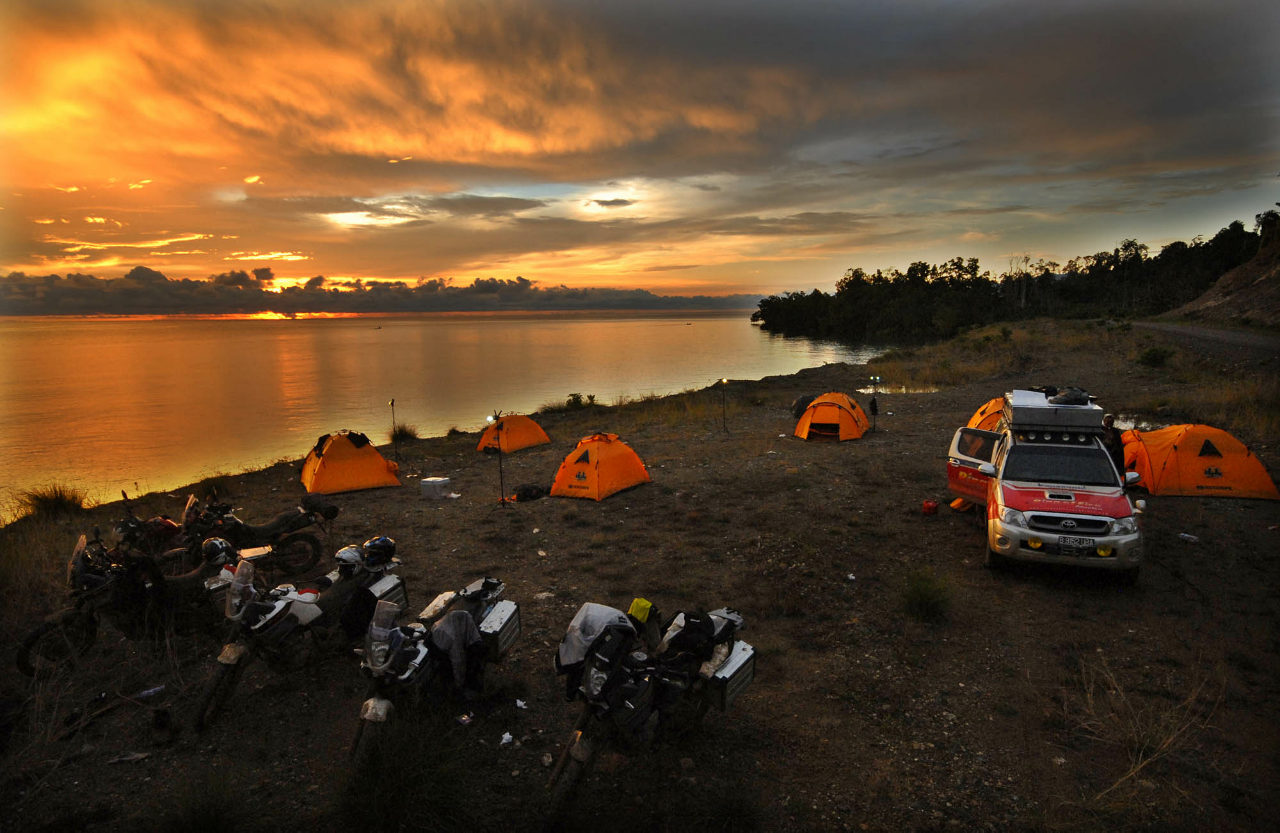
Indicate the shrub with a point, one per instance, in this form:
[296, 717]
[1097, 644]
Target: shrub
[455, 431]
[927, 595]
[401, 432]
[1155, 356]
[56, 500]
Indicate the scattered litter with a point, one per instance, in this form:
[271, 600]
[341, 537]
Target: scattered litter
[772, 452]
[1059, 761]
[520, 704]
[130, 758]
[546, 759]
[465, 719]
[851, 577]
[1190, 539]
[507, 739]
[151, 692]
[545, 594]
[1273, 527]
[454, 496]
[536, 530]
[515, 772]
[782, 435]
[542, 553]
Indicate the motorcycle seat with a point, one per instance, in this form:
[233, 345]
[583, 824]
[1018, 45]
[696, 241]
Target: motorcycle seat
[287, 521]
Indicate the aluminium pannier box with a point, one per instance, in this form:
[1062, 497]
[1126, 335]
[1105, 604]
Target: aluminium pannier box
[390, 589]
[1031, 410]
[500, 629]
[733, 676]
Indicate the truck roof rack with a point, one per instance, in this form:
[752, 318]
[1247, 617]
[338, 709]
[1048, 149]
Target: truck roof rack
[1029, 410]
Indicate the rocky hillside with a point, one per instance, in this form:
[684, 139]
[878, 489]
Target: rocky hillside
[1248, 294]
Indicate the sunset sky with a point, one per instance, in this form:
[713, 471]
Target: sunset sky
[680, 147]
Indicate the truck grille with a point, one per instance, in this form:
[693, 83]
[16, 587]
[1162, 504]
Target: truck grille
[1070, 525]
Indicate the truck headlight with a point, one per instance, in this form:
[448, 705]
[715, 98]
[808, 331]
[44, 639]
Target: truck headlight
[1124, 526]
[1012, 517]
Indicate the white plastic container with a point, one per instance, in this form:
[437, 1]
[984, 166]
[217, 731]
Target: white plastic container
[435, 488]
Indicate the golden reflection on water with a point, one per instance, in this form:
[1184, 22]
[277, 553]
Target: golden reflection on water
[107, 403]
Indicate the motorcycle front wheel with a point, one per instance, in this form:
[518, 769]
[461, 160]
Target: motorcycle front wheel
[296, 554]
[563, 789]
[68, 636]
[215, 695]
[368, 740]
[177, 561]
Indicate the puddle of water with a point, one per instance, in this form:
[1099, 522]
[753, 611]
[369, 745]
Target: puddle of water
[1127, 421]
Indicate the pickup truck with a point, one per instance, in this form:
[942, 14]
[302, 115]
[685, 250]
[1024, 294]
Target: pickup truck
[1050, 491]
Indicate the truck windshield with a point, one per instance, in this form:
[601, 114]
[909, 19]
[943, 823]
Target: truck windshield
[1067, 465]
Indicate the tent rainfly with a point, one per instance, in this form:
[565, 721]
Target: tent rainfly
[1196, 460]
[600, 465]
[514, 432]
[986, 417]
[345, 462]
[832, 417]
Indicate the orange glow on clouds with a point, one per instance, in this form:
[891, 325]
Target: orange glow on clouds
[393, 139]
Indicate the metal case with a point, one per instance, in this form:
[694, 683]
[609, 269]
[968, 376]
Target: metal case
[1030, 410]
[390, 589]
[500, 629]
[732, 677]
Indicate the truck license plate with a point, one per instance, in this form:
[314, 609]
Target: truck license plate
[1074, 546]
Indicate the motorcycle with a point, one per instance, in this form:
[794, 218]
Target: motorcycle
[633, 678]
[280, 626]
[290, 550]
[453, 640]
[150, 537]
[127, 590]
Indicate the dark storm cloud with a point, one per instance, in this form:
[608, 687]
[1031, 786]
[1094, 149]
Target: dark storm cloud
[241, 279]
[471, 205]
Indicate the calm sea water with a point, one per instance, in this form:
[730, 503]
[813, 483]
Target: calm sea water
[104, 404]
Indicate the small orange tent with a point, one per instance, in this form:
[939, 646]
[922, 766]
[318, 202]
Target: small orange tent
[600, 465]
[344, 462]
[514, 432]
[986, 417]
[1196, 460]
[831, 417]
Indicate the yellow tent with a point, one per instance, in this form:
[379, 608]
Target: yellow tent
[1196, 460]
[600, 465]
[344, 462]
[986, 417]
[832, 417]
[514, 432]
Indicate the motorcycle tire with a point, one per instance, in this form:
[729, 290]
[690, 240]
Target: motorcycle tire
[296, 554]
[367, 743]
[68, 636]
[563, 789]
[215, 695]
[176, 562]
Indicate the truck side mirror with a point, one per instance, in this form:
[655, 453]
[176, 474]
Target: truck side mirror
[987, 469]
[1131, 477]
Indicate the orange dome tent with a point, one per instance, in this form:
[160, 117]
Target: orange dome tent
[600, 465]
[832, 417]
[514, 432]
[986, 417]
[344, 462]
[1196, 460]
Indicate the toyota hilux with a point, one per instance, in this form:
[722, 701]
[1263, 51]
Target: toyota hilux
[1050, 490]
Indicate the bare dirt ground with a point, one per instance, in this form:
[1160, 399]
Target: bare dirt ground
[1045, 699]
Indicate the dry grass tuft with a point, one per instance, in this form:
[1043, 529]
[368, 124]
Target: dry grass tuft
[1147, 730]
[55, 500]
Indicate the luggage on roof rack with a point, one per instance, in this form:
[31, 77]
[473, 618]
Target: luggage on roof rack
[1032, 410]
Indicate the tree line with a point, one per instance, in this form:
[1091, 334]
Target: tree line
[936, 301]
